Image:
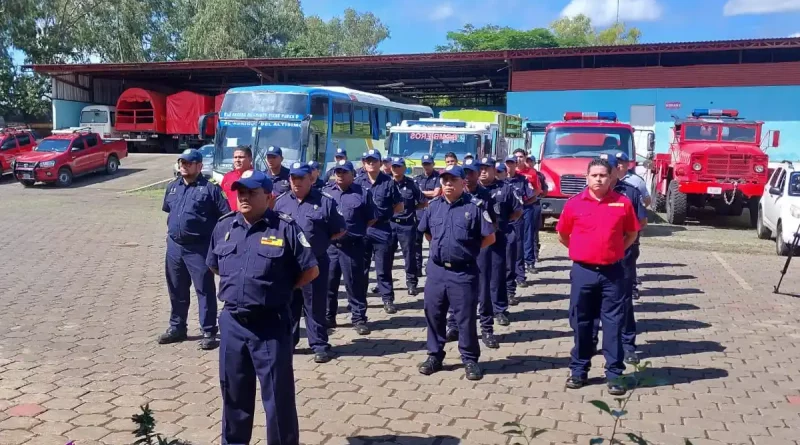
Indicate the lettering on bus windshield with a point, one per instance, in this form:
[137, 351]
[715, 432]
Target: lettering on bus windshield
[445, 137]
[260, 115]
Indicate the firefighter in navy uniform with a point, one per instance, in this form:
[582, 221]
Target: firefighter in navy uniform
[508, 208]
[338, 156]
[276, 172]
[316, 182]
[194, 204]
[515, 275]
[317, 214]
[457, 227]
[261, 256]
[428, 183]
[404, 224]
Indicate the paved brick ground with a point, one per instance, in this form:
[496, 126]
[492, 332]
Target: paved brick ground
[82, 298]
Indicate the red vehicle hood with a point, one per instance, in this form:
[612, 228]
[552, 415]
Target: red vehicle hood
[34, 156]
[555, 168]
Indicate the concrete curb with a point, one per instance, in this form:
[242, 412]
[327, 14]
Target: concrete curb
[153, 186]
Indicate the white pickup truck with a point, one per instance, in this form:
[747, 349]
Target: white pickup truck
[779, 208]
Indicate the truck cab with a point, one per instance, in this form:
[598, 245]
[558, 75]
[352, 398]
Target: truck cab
[14, 141]
[570, 145]
[100, 119]
[715, 159]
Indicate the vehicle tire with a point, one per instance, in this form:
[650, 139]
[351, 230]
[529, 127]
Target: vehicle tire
[112, 165]
[761, 230]
[27, 182]
[736, 209]
[781, 248]
[64, 177]
[661, 203]
[753, 209]
[677, 204]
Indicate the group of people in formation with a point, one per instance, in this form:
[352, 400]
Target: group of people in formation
[283, 240]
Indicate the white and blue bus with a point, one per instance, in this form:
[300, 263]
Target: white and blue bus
[306, 122]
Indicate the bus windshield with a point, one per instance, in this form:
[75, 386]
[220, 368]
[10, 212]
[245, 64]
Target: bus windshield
[264, 105]
[586, 142]
[415, 145]
[94, 117]
[285, 135]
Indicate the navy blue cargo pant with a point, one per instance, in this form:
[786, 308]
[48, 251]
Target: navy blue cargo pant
[629, 319]
[453, 286]
[515, 267]
[382, 252]
[596, 292]
[404, 233]
[485, 307]
[347, 260]
[257, 345]
[497, 286]
[312, 302]
[532, 215]
[418, 253]
[186, 265]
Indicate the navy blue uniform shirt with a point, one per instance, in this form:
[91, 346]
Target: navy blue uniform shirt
[635, 196]
[505, 202]
[318, 184]
[522, 186]
[317, 215]
[280, 182]
[485, 197]
[412, 197]
[193, 210]
[258, 265]
[354, 203]
[385, 195]
[457, 229]
[427, 184]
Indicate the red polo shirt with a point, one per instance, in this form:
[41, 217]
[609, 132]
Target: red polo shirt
[596, 228]
[531, 175]
[227, 181]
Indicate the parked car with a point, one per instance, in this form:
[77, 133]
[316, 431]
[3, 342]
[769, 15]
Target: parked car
[779, 208]
[208, 159]
[66, 154]
[14, 142]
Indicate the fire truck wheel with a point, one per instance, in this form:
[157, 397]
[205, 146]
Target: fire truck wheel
[677, 205]
[64, 177]
[736, 209]
[661, 203]
[781, 248]
[27, 182]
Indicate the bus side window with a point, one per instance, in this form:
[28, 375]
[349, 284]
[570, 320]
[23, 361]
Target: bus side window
[395, 117]
[319, 123]
[342, 118]
[380, 123]
[361, 121]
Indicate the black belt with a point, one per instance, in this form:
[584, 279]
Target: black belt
[348, 242]
[456, 267]
[405, 222]
[597, 267]
[260, 315]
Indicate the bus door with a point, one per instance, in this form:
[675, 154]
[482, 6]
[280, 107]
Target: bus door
[320, 128]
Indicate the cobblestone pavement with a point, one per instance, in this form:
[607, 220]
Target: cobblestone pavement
[82, 299]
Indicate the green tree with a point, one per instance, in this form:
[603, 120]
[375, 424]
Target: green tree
[579, 31]
[233, 29]
[356, 34]
[491, 37]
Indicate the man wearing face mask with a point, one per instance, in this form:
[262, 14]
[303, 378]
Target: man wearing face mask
[261, 256]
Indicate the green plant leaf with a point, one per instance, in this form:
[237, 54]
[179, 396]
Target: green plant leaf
[514, 424]
[514, 432]
[601, 405]
[618, 413]
[638, 440]
[687, 442]
[596, 440]
[536, 433]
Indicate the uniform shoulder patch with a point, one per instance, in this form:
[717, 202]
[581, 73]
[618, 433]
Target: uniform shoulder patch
[227, 215]
[285, 217]
[326, 194]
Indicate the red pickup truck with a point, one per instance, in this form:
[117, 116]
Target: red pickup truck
[67, 154]
[13, 142]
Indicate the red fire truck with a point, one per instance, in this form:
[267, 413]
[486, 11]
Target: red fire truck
[715, 159]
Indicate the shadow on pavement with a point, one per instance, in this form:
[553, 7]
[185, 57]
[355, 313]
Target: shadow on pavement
[656, 277]
[668, 375]
[658, 265]
[538, 314]
[99, 178]
[664, 307]
[544, 298]
[668, 291]
[655, 230]
[378, 347]
[403, 440]
[529, 335]
[669, 348]
[667, 325]
[551, 269]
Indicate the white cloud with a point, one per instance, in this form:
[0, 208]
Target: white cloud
[797, 34]
[604, 12]
[442, 12]
[743, 7]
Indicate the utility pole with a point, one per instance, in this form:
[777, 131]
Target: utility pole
[617, 12]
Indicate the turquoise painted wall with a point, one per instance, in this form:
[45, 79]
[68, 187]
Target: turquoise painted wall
[67, 113]
[778, 107]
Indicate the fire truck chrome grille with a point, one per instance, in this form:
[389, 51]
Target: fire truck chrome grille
[572, 185]
[733, 166]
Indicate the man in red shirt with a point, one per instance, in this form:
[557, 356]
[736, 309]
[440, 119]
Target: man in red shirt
[242, 162]
[597, 226]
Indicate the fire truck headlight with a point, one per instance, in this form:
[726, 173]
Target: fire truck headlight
[550, 185]
[759, 168]
[697, 166]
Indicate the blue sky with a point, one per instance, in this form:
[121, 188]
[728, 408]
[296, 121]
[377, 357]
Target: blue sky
[419, 25]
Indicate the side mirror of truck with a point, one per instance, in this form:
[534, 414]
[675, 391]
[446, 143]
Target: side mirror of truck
[774, 191]
[651, 142]
[776, 138]
[202, 124]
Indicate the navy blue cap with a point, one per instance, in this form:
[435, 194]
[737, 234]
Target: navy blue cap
[191, 155]
[531, 158]
[454, 170]
[373, 154]
[612, 160]
[313, 165]
[488, 162]
[469, 155]
[340, 152]
[427, 159]
[398, 162]
[299, 169]
[274, 151]
[500, 167]
[511, 159]
[471, 164]
[344, 165]
[253, 179]
[622, 156]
